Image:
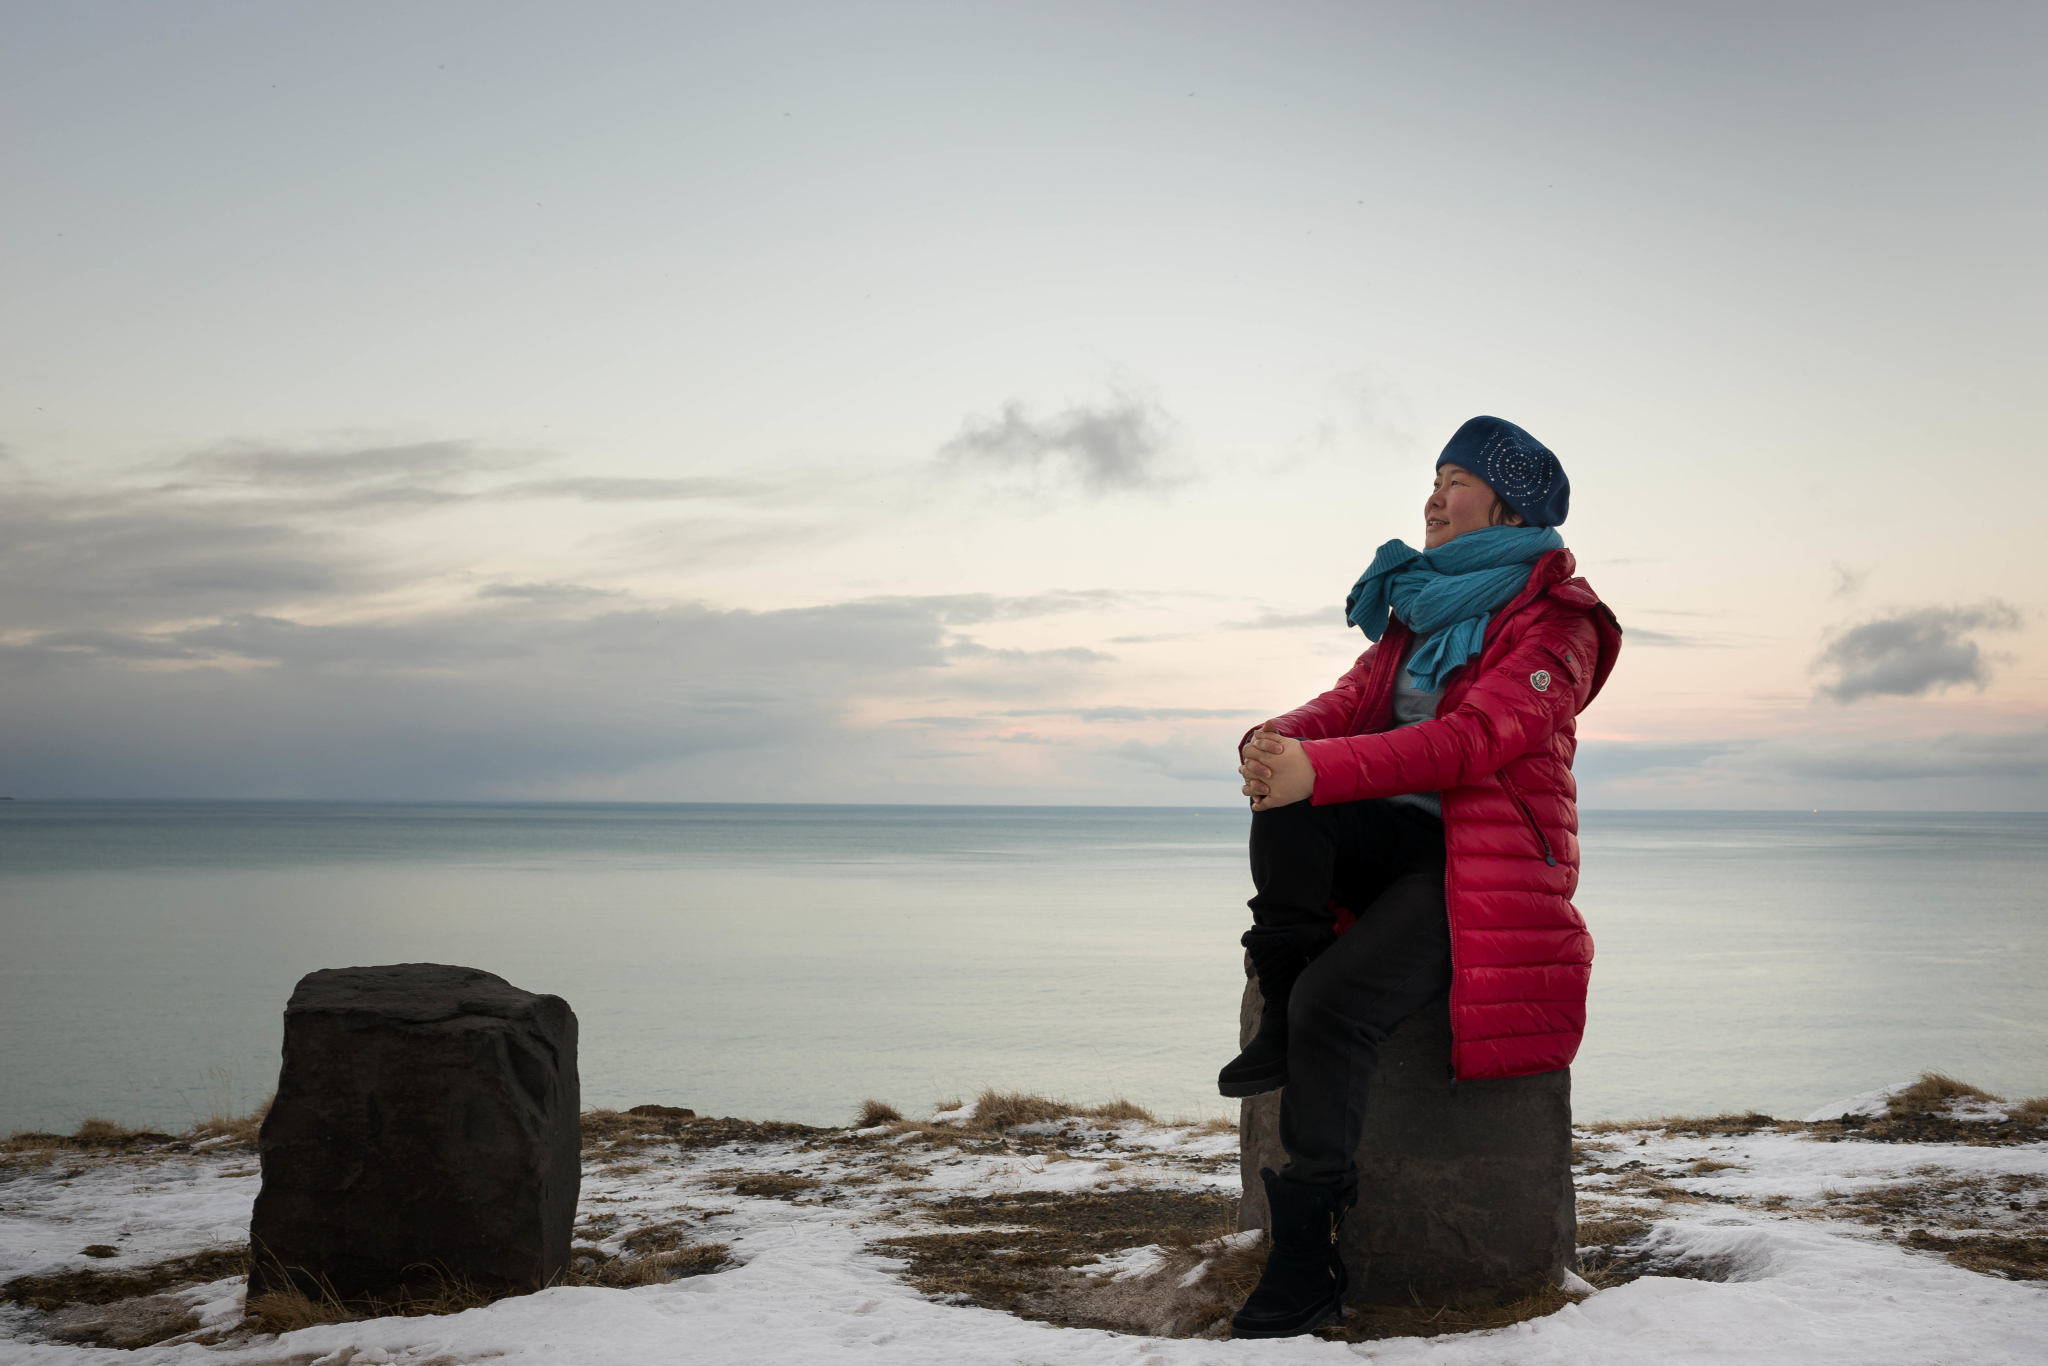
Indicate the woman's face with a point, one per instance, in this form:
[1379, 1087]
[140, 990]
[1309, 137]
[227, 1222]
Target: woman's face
[1460, 502]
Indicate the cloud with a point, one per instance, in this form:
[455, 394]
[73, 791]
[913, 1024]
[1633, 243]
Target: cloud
[1093, 714]
[251, 463]
[98, 558]
[1985, 769]
[1184, 759]
[237, 630]
[547, 592]
[1322, 617]
[488, 698]
[1982, 755]
[1640, 635]
[429, 474]
[1106, 448]
[1600, 760]
[1912, 653]
[605, 490]
[1848, 581]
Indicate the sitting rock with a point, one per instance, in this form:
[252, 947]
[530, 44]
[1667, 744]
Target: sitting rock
[662, 1112]
[1465, 1193]
[424, 1138]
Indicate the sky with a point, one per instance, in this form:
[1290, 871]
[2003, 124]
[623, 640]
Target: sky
[993, 403]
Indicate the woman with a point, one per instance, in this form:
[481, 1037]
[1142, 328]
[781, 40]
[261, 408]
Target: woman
[1413, 832]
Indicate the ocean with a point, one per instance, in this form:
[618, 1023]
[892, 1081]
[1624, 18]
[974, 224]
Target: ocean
[791, 961]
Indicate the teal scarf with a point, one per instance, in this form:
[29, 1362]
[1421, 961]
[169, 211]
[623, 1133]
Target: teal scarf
[1448, 593]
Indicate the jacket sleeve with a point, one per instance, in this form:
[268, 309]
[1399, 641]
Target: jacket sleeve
[1502, 717]
[1324, 715]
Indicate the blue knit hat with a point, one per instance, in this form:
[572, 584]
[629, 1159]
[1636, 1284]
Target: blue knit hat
[1514, 465]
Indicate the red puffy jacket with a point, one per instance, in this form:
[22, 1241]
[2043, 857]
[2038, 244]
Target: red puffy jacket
[1500, 751]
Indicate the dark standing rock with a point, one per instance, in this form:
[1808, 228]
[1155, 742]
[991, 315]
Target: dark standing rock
[425, 1132]
[1464, 1195]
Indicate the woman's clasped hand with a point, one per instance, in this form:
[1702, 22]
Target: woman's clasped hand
[1276, 771]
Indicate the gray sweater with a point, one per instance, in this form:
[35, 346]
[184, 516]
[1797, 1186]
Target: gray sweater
[1413, 706]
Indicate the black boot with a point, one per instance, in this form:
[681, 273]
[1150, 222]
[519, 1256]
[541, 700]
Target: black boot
[1277, 960]
[1304, 1282]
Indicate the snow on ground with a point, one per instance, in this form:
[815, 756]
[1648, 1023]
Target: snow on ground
[1760, 1246]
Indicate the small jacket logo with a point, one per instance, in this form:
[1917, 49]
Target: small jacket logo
[1540, 680]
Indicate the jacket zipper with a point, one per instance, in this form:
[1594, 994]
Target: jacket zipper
[1508, 784]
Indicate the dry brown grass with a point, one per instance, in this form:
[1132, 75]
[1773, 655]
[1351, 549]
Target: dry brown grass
[1934, 1197]
[105, 1287]
[609, 1135]
[91, 1136]
[775, 1185]
[2015, 1259]
[288, 1308]
[106, 1136]
[995, 1111]
[124, 1325]
[1610, 1232]
[287, 1311]
[1237, 1270]
[998, 1114]
[1019, 1252]
[653, 1255]
[1748, 1122]
[242, 1128]
[873, 1112]
[1933, 1092]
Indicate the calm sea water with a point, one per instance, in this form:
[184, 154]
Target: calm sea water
[789, 961]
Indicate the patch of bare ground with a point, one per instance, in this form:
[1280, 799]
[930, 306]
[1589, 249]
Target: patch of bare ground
[1934, 1196]
[775, 1185]
[2015, 1259]
[1032, 1254]
[648, 1256]
[1421, 1321]
[286, 1310]
[999, 1110]
[1595, 1234]
[1699, 1126]
[95, 1137]
[123, 1309]
[999, 1115]
[93, 1286]
[97, 1140]
[125, 1324]
[1038, 1255]
[611, 1135]
[1921, 1113]
[1025, 1253]
[1613, 1249]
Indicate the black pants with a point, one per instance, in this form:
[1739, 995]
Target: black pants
[1386, 863]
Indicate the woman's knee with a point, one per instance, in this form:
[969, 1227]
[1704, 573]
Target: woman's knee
[1315, 1002]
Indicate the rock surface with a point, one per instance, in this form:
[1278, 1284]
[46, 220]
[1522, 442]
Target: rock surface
[425, 1135]
[1464, 1195]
